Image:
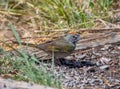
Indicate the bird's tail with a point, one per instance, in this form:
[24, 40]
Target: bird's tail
[26, 44]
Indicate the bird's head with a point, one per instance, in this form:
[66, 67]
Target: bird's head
[73, 38]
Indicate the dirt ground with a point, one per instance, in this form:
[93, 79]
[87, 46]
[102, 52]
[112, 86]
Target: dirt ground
[105, 75]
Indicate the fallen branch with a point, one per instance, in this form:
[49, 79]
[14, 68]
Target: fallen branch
[112, 37]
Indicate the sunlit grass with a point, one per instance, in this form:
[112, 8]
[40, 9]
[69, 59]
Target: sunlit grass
[59, 13]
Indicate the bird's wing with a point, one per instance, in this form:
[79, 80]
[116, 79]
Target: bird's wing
[57, 46]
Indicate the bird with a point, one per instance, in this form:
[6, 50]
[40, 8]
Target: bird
[61, 47]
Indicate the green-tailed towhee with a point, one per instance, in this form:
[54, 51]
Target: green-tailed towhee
[61, 47]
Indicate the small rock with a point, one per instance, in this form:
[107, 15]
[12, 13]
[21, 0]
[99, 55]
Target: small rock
[91, 69]
[119, 57]
[97, 54]
[96, 82]
[106, 47]
[104, 60]
[93, 57]
[114, 52]
[118, 47]
[80, 56]
[104, 67]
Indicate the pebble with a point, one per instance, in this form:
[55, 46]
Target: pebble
[105, 60]
[118, 47]
[91, 69]
[80, 56]
[96, 81]
[104, 67]
[93, 57]
[97, 54]
[106, 47]
[78, 77]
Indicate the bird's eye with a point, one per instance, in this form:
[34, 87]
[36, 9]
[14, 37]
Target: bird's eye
[74, 37]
